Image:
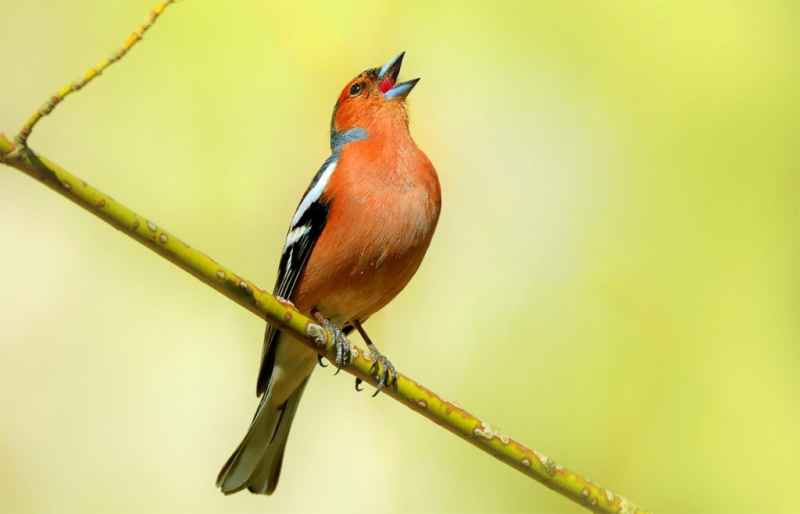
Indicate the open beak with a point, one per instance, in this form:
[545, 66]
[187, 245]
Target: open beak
[388, 79]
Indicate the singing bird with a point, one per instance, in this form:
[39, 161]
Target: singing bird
[356, 239]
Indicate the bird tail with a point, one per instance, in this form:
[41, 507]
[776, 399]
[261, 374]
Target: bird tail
[256, 463]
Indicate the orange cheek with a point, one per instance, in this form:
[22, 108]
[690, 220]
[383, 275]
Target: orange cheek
[345, 117]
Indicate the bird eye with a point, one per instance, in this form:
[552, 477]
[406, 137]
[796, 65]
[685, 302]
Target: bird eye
[355, 89]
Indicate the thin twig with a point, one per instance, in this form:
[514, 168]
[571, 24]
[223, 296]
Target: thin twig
[93, 72]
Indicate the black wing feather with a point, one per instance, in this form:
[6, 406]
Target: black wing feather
[293, 262]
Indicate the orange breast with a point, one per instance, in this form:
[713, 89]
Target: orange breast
[385, 202]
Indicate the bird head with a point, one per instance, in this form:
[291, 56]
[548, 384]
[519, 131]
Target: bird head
[373, 102]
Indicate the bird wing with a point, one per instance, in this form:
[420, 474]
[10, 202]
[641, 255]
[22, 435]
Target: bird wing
[307, 224]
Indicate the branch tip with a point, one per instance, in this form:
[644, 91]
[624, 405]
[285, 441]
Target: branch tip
[77, 85]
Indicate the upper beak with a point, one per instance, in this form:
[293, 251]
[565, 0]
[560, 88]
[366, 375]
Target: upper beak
[387, 78]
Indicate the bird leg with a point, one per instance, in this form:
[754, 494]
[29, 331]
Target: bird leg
[343, 354]
[386, 372]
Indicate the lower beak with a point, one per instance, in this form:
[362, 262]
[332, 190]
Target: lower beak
[401, 90]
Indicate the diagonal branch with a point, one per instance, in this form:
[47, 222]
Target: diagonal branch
[282, 314]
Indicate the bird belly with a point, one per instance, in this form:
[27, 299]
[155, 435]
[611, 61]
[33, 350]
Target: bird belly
[374, 258]
[367, 287]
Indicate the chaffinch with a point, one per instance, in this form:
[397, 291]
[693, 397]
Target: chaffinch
[356, 239]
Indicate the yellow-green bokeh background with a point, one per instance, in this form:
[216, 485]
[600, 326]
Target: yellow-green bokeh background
[614, 280]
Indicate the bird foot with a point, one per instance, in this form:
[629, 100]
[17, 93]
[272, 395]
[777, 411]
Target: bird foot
[343, 352]
[383, 368]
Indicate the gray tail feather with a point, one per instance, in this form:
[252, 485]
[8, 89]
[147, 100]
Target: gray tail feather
[256, 463]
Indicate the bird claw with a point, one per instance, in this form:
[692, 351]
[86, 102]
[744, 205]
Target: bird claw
[343, 352]
[386, 373]
[321, 364]
[358, 383]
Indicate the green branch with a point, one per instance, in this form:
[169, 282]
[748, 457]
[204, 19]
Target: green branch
[284, 316]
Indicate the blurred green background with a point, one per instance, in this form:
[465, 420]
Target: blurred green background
[614, 280]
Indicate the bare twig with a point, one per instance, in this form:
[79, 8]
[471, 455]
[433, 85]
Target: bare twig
[93, 72]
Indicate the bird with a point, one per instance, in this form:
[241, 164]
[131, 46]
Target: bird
[358, 236]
